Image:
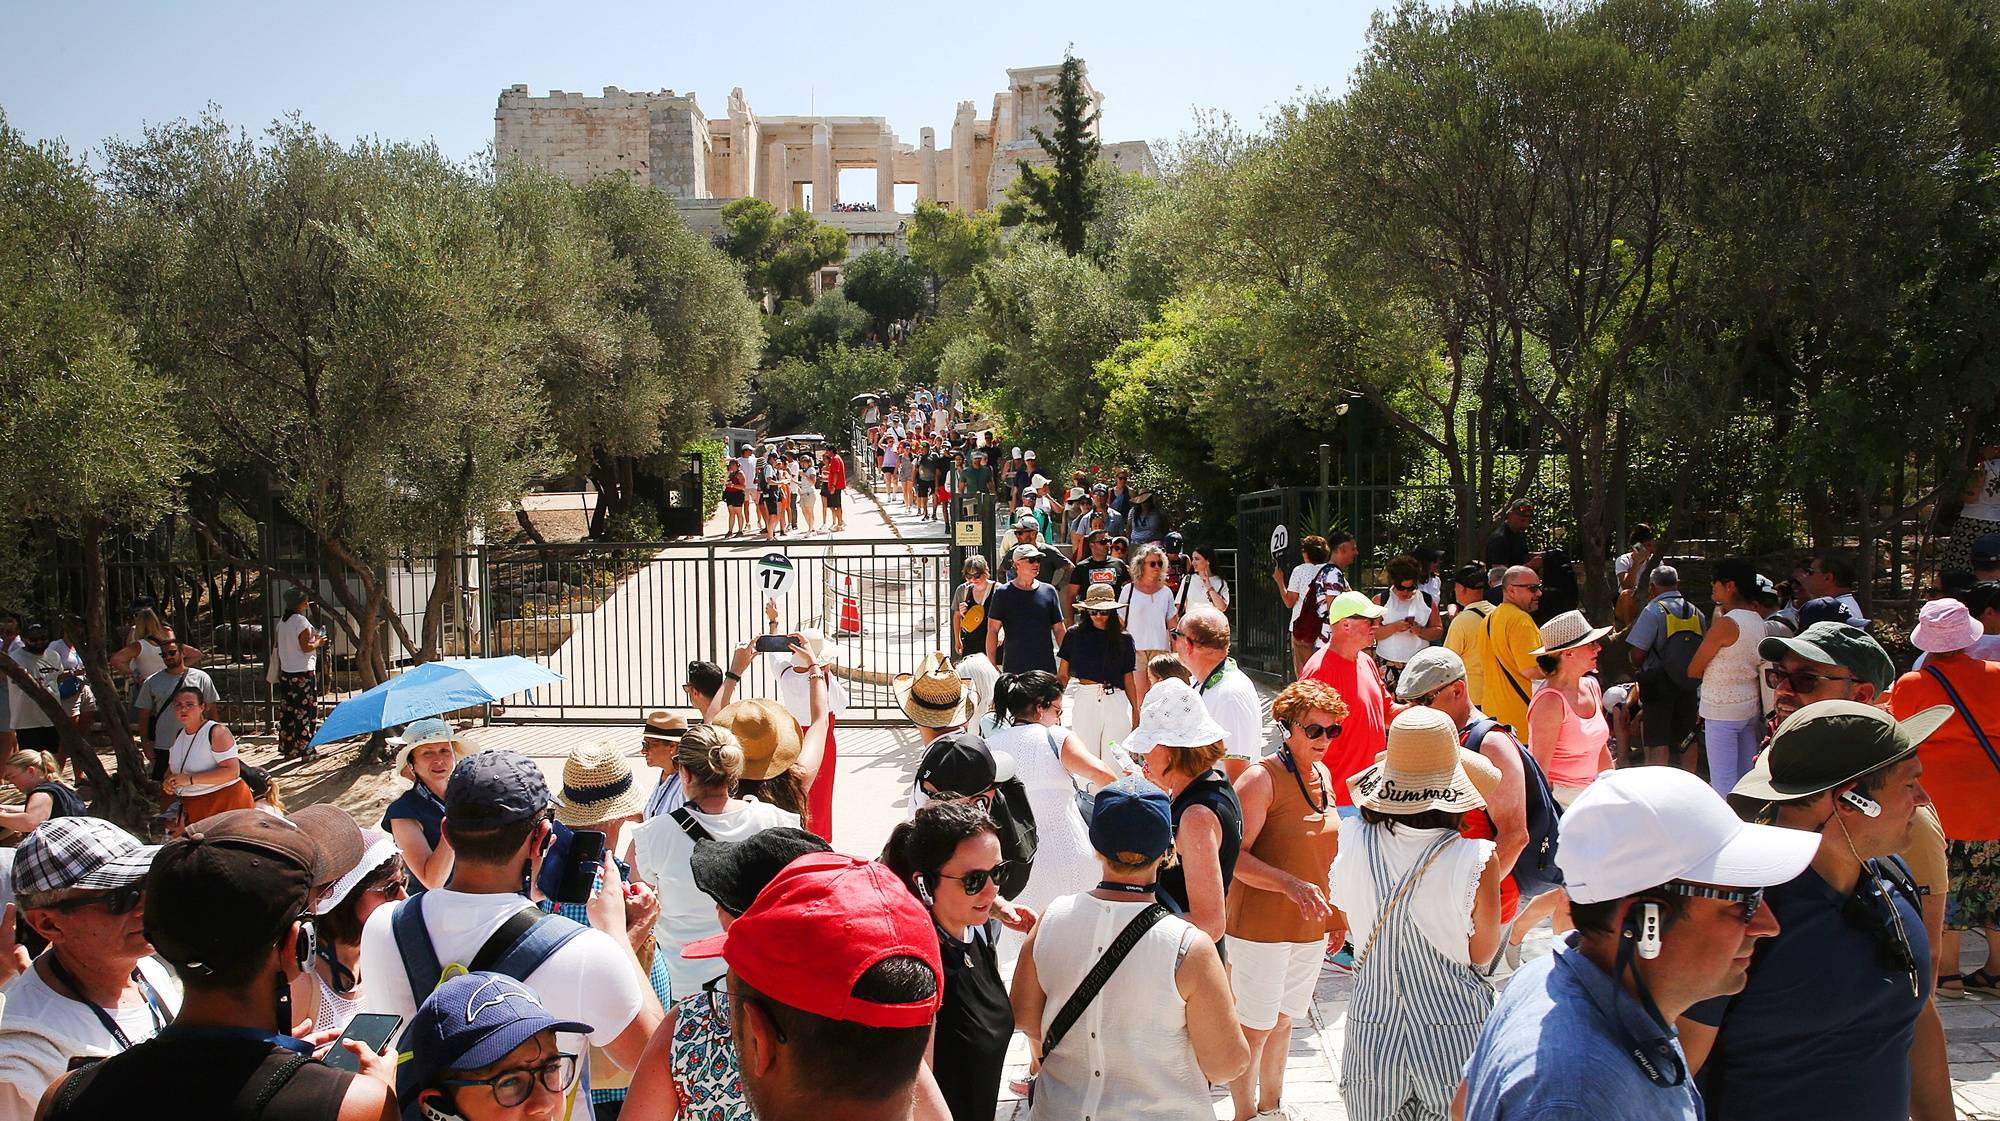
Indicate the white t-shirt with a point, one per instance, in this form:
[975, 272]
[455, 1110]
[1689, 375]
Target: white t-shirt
[1191, 594]
[1232, 702]
[1146, 618]
[1987, 507]
[193, 753]
[660, 855]
[41, 1030]
[1404, 645]
[589, 980]
[794, 688]
[1441, 902]
[1302, 581]
[291, 659]
[46, 668]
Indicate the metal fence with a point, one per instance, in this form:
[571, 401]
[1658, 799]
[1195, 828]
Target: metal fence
[621, 622]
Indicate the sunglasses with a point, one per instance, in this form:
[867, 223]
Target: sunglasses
[1318, 731]
[515, 1086]
[1406, 589]
[118, 901]
[1536, 588]
[1749, 899]
[1800, 680]
[976, 880]
[1872, 909]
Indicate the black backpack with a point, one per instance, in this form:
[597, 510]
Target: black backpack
[1014, 820]
[1535, 869]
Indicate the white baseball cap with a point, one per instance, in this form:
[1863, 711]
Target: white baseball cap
[1639, 828]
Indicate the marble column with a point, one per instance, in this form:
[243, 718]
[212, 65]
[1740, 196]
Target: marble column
[825, 193]
[927, 187]
[776, 188]
[885, 173]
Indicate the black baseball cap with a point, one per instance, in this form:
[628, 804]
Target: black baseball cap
[1986, 550]
[1427, 553]
[226, 889]
[494, 789]
[959, 764]
[1470, 576]
[733, 872]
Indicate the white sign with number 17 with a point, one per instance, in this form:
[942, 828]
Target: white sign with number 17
[774, 574]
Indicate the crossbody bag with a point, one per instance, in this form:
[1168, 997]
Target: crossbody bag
[1100, 974]
[1504, 671]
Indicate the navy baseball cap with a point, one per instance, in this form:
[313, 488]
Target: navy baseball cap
[493, 789]
[1132, 816]
[470, 1021]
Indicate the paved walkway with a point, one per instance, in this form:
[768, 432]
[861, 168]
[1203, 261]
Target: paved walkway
[873, 781]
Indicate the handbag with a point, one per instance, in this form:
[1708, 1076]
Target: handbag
[1086, 800]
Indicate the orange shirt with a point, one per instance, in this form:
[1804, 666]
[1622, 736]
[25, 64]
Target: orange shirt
[1962, 781]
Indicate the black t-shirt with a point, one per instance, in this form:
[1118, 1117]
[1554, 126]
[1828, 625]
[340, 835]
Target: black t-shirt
[64, 802]
[1506, 547]
[1823, 1026]
[1095, 654]
[1110, 571]
[1211, 790]
[213, 1074]
[974, 1024]
[1026, 614]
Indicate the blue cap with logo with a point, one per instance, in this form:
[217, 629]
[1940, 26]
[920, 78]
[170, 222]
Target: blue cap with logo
[493, 789]
[1132, 816]
[470, 1021]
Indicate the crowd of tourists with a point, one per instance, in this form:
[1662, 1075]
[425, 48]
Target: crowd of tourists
[778, 490]
[1755, 842]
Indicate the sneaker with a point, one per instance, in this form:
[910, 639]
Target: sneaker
[1341, 961]
[1283, 1112]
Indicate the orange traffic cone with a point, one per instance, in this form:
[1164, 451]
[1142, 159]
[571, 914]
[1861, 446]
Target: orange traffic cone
[850, 612]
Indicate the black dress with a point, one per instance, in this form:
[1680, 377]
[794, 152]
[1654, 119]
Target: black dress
[63, 802]
[1211, 790]
[974, 1023]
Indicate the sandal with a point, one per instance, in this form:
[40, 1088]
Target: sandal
[1982, 980]
[1944, 990]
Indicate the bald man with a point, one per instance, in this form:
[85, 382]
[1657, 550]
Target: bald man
[1511, 637]
[1202, 641]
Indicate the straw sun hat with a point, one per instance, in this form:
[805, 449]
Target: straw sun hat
[1101, 597]
[1566, 632]
[597, 786]
[768, 733]
[936, 698]
[1423, 769]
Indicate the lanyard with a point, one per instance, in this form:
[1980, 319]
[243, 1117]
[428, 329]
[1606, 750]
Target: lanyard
[1126, 889]
[1326, 794]
[1209, 682]
[154, 1006]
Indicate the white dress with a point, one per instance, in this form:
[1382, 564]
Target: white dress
[1064, 861]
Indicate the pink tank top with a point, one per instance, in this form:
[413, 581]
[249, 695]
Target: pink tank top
[1581, 742]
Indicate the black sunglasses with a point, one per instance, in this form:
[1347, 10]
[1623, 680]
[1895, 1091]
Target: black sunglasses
[1749, 899]
[1801, 680]
[975, 881]
[1318, 731]
[1530, 587]
[1408, 589]
[1873, 910]
[117, 901]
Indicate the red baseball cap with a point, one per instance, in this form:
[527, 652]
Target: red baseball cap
[817, 927]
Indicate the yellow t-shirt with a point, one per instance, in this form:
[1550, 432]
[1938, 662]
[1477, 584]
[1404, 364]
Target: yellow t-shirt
[1511, 637]
[1467, 639]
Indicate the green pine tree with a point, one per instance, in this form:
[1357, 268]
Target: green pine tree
[1064, 198]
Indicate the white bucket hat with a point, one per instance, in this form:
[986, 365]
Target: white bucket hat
[431, 729]
[822, 652]
[1173, 716]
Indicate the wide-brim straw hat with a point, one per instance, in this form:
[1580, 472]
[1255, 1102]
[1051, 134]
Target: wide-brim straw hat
[1566, 632]
[597, 785]
[768, 732]
[423, 732]
[667, 727]
[1421, 770]
[1101, 598]
[938, 697]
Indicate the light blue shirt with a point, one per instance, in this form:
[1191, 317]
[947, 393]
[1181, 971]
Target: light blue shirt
[1651, 625]
[1560, 1045]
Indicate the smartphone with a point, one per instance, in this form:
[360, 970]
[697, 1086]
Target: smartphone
[582, 867]
[372, 1030]
[772, 643]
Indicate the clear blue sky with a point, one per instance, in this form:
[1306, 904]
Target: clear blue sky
[87, 71]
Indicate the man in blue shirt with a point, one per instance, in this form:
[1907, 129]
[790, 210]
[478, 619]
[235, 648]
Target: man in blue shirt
[1025, 618]
[1836, 1019]
[1663, 640]
[1665, 887]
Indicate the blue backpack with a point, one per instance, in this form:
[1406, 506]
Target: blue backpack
[1535, 870]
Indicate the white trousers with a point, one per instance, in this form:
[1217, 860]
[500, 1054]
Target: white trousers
[1098, 718]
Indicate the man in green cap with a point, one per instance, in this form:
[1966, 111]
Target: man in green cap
[1836, 1019]
[1825, 662]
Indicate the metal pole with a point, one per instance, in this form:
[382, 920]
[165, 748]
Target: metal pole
[1322, 516]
